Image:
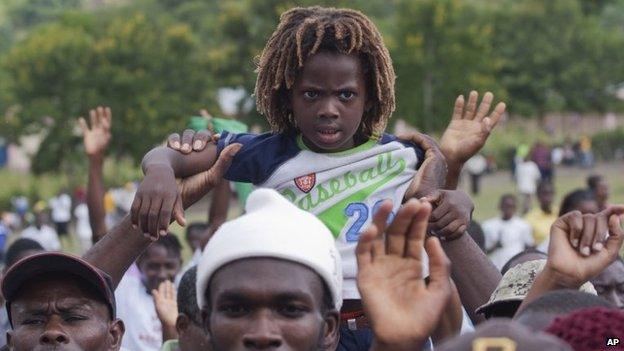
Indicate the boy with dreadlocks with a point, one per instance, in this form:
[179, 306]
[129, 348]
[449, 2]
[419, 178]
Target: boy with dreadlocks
[326, 86]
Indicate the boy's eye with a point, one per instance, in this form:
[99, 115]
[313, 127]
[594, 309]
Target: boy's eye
[32, 322]
[74, 318]
[310, 94]
[346, 95]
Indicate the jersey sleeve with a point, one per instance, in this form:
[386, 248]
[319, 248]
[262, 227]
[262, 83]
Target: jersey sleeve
[259, 157]
[420, 153]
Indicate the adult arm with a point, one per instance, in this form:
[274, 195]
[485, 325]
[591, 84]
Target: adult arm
[116, 251]
[95, 140]
[219, 205]
[472, 271]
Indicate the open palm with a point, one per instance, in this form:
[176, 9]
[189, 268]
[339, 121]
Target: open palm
[97, 137]
[402, 309]
[469, 127]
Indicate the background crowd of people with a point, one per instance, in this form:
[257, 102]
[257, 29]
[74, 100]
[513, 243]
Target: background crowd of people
[354, 239]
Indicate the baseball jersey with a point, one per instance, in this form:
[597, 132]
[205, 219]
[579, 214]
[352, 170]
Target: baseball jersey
[343, 189]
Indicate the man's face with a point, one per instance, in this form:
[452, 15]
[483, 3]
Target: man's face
[157, 265]
[508, 207]
[62, 313]
[265, 303]
[610, 284]
[328, 101]
[602, 191]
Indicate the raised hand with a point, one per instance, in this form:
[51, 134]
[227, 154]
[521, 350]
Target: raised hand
[432, 173]
[166, 303]
[572, 265]
[160, 199]
[402, 309]
[469, 127]
[97, 138]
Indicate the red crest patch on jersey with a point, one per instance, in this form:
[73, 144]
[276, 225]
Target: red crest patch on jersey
[306, 183]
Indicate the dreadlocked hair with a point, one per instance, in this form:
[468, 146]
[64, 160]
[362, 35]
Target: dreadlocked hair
[301, 33]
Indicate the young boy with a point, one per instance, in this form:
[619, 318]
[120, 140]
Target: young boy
[326, 86]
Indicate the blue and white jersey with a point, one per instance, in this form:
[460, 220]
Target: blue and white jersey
[343, 189]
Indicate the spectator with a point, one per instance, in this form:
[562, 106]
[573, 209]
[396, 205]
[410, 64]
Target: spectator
[20, 248]
[42, 233]
[504, 334]
[476, 233]
[194, 236]
[187, 317]
[476, 167]
[585, 148]
[251, 275]
[540, 219]
[60, 207]
[527, 176]
[541, 155]
[610, 283]
[590, 329]
[507, 235]
[83, 226]
[161, 261]
[540, 313]
[514, 287]
[599, 186]
[58, 301]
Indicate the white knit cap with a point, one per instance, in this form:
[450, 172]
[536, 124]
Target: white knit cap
[273, 227]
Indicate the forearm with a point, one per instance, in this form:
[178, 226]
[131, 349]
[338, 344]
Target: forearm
[117, 250]
[182, 165]
[451, 320]
[95, 197]
[453, 174]
[474, 274]
[169, 332]
[219, 205]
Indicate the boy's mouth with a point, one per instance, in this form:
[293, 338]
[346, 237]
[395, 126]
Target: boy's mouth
[328, 136]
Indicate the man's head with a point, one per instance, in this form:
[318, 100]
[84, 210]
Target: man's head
[21, 248]
[58, 301]
[545, 195]
[280, 286]
[598, 185]
[590, 328]
[513, 288]
[579, 200]
[610, 283]
[194, 235]
[524, 256]
[161, 261]
[508, 206]
[189, 326]
[541, 312]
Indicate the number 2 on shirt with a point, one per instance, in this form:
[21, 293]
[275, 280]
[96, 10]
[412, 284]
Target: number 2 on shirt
[361, 212]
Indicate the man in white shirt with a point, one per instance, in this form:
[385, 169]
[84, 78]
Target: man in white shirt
[42, 233]
[507, 235]
[61, 212]
[135, 304]
[527, 176]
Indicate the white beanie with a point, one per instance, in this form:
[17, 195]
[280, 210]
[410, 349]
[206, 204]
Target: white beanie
[273, 227]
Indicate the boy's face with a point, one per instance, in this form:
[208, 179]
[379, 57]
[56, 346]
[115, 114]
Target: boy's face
[266, 303]
[610, 284]
[157, 265]
[328, 101]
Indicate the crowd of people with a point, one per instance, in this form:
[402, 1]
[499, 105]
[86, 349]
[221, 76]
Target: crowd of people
[354, 239]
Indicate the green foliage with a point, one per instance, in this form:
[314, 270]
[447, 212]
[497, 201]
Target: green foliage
[607, 145]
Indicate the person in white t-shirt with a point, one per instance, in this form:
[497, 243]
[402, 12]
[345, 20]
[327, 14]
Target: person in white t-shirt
[135, 304]
[507, 235]
[83, 228]
[61, 212]
[527, 177]
[42, 233]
